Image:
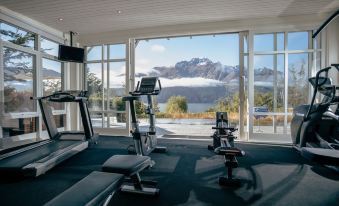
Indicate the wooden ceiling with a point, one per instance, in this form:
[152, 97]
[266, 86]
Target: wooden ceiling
[92, 16]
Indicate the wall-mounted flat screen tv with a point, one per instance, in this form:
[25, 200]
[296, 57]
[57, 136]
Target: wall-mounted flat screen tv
[71, 54]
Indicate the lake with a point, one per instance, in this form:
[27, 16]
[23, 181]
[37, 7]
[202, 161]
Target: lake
[192, 107]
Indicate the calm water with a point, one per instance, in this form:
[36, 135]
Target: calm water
[192, 107]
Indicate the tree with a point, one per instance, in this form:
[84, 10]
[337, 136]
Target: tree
[298, 87]
[176, 104]
[120, 105]
[228, 104]
[17, 65]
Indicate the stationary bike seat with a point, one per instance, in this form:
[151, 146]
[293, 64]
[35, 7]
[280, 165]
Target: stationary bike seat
[229, 151]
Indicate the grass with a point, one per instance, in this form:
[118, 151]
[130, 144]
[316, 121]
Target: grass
[233, 117]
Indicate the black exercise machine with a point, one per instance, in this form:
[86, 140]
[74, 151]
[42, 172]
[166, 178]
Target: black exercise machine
[223, 144]
[36, 159]
[80, 97]
[145, 142]
[314, 127]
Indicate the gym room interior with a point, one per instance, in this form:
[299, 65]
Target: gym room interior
[169, 102]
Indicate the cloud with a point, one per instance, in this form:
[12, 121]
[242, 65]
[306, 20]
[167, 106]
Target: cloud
[188, 82]
[158, 48]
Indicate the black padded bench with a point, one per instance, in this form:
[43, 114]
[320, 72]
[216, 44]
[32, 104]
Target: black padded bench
[95, 189]
[98, 187]
[130, 166]
[321, 156]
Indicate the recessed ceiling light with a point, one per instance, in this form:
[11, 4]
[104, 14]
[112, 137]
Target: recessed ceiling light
[119, 11]
[60, 19]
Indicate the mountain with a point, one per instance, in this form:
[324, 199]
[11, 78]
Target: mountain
[50, 74]
[203, 69]
[196, 67]
[22, 74]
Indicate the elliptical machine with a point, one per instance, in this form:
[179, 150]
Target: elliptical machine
[145, 142]
[314, 127]
[223, 144]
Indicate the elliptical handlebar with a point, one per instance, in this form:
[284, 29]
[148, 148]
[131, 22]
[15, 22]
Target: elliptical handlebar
[320, 84]
[335, 66]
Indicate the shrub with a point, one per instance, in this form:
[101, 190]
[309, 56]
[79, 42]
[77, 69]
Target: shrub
[176, 104]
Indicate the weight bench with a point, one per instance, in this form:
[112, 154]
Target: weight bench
[98, 187]
[95, 189]
[130, 166]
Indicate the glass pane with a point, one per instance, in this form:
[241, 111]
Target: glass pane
[49, 47]
[60, 121]
[117, 83]
[16, 36]
[199, 76]
[263, 42]
[117, 120]
[297, 80]
[263, 81]
[94, 53]
[20, 126]
[117, 51]
[51, 72]
[297, 41]
[279, 85]
[271, 124]
[262, 123]
[95, 86]
[97, 120]
[280, 41]
[269, 82]
[52, 80]
[105, 51]
[18, 81]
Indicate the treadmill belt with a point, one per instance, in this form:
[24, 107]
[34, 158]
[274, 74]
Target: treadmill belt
[20, 160]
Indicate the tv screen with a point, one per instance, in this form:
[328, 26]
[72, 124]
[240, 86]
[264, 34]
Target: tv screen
[71, 54]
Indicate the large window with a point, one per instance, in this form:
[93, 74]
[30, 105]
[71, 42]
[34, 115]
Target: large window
[200, 75]
[21, 54]
[16, 35]
[106, 82]
[49, 47]
[282, 64]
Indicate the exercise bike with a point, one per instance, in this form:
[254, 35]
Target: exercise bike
[145, 142]
[314, 127]
[223, 144]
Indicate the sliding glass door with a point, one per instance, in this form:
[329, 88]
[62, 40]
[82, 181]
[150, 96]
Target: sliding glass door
[281, 64]
[106, 80]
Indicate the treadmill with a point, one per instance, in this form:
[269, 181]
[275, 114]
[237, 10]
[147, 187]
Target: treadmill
[35, 159]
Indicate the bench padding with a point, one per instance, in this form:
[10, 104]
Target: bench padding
[126, 164]
[92, 190]
[321, 156]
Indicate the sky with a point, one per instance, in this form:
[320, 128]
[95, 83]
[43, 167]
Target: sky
[163, 52]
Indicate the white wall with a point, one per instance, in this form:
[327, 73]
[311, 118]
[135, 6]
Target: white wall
[332, 47]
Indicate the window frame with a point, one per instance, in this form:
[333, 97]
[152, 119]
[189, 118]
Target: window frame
[105, 62]
[37, 82]
[311, 72]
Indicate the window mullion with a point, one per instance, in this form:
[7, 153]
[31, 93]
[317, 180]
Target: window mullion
[107, 85]
[286, 80]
